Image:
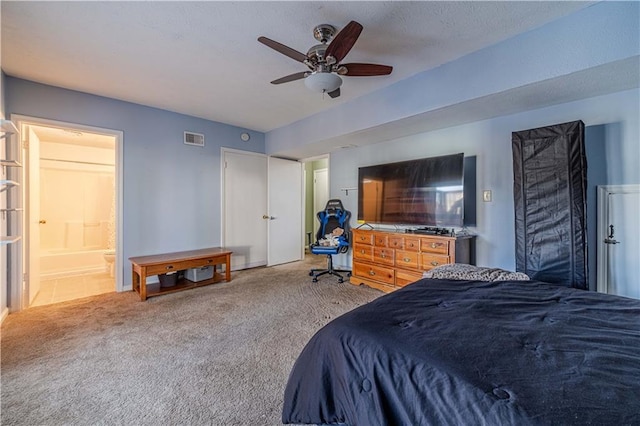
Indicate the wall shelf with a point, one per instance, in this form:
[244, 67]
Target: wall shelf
[10, 163]
[4, 211]
[6, 184]
[4, 240]
[7, 128]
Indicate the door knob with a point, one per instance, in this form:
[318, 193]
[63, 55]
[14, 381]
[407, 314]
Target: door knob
[266, 216]
[42, 222]
[610, 239]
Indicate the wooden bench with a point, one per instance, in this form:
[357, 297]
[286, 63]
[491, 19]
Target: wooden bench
[145, 266]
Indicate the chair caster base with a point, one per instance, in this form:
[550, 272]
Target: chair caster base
[317, 273]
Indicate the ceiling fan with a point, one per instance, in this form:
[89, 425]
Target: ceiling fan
[323, 60]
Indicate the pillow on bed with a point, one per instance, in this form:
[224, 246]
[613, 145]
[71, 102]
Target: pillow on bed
[461, 271]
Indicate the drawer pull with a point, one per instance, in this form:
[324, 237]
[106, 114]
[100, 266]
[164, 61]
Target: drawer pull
[371, 273]
[434, 263]
[434, 245]
[382, 255]
[210, 261]
[169, 266]
[411, 245]
[362, 251]
[406, 259]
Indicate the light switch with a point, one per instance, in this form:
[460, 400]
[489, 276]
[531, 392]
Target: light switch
[486, 195]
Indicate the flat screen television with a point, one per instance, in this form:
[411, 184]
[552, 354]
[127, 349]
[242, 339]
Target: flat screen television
[433, 192]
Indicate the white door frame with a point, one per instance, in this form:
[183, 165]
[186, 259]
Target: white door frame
[316, 205]
[17, 301]
[602, 285]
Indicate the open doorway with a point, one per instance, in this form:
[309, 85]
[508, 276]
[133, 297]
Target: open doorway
[316, 193]
[71, 197]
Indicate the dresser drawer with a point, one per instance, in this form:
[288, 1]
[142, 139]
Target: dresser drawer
[396, 242]
[412, 243]
[407, 259]
[178, 266]
[381, 240]
[363, 237]
[407, 277]
[430, 261]
[383, 255]
[371, 272]
[433, 245]
[363, 252]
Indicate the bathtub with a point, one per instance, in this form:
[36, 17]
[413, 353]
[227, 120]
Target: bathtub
[62, 263]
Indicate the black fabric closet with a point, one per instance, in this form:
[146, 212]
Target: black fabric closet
[549, 188]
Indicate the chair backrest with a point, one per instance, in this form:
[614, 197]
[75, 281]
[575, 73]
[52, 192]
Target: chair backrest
[334, 216]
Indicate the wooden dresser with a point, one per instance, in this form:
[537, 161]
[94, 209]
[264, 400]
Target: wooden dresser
[390, 260]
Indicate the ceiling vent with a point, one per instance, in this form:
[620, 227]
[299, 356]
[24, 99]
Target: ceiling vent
[191, 138]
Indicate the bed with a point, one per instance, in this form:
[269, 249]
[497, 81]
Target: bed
[462, 352]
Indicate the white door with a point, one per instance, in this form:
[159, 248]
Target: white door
[619, 240]
[245, 216]
[32, 212]
[285, 211]
[320, 196]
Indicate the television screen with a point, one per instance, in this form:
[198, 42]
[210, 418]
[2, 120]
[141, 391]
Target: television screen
[428, 191]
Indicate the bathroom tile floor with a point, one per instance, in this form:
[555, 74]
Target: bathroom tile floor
[74, 287]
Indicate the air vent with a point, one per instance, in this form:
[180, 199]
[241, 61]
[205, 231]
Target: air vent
[191, 138]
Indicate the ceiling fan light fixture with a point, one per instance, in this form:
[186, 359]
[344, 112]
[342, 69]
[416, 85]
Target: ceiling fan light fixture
[323, 82]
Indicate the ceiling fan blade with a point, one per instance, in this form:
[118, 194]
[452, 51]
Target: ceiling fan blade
[344, 41]
[364, 70]
[285, 50]
[291, 77]
[335, 93]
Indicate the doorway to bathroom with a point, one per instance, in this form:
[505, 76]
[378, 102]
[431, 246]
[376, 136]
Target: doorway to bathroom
[71, 200]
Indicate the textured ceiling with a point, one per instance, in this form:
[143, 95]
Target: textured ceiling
[203, 58]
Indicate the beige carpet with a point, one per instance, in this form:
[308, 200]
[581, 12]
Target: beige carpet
[215, 355]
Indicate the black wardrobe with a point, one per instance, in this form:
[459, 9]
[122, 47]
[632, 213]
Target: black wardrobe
[549, 188]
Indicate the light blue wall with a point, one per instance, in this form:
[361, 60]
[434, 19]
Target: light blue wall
[172, 191]
[613, 130]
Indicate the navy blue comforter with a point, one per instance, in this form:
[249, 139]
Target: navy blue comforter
[441, 352]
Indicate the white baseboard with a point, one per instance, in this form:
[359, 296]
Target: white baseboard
[4, 314]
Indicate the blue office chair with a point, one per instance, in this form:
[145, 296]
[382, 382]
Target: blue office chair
[333, 216]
